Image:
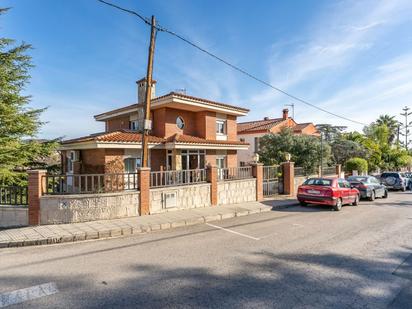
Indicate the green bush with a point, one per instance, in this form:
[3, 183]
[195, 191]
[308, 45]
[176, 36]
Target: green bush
[356, 164]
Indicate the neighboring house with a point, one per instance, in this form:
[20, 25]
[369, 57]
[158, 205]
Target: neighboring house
[187, 133]
[251, 132]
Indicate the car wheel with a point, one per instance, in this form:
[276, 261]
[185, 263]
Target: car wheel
[303, 204]
[385, 194]
[338, 205]
[356, 201]
[372, 197]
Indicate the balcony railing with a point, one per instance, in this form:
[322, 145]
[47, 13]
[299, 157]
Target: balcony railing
[90, 183]
[13, 195]
[234, 173]
[177, 178]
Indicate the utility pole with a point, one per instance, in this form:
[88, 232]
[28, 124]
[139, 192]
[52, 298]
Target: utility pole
[407, 124]
[147, 122]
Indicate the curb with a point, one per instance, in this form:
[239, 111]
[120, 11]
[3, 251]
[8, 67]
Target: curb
[142, 229]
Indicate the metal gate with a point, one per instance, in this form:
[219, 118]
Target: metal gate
[272, 181]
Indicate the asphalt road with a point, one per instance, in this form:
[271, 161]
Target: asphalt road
[292, 258]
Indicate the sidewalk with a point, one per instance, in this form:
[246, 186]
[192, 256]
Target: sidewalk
[51, 234]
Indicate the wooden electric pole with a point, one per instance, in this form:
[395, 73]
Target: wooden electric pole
[147, 126]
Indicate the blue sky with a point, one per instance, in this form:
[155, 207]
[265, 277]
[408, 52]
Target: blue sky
[350, 57]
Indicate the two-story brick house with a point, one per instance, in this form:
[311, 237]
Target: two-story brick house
[187, 133]
[252, 131]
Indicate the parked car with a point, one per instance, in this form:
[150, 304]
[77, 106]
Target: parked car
[394, 180]
[334, 192]
[408, 177]
[368, 186]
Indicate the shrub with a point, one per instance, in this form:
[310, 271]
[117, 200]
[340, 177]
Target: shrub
[356, 164]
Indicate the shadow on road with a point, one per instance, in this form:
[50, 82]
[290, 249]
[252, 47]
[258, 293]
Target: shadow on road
[262, 279]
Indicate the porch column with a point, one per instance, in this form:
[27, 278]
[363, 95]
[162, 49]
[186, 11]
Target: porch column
[144, 187]
[176, 159]
[35, 184]
[211, 175]
[257, 172]
[288, 178]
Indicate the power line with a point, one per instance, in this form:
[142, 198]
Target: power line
[162, 29]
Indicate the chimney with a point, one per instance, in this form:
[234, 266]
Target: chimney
[285, 114]
[141, 90]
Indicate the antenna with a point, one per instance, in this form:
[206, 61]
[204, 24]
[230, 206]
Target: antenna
[293, 109]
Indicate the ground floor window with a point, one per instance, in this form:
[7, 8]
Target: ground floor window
[132, 164]
[193, 159]
[221, 161]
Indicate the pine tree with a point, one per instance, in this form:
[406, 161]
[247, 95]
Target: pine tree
[19, 124]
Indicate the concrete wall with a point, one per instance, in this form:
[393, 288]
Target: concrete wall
[236, 191]
[13, 216]
[88, 207]
[193, 196]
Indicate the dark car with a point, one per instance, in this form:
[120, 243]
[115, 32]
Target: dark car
[394, 180]
[333, 192]
[368, 186]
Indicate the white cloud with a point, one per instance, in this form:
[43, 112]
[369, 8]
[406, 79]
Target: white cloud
[336, 40]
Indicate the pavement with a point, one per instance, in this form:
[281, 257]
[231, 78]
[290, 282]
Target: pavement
[295, 257]
[61, 233]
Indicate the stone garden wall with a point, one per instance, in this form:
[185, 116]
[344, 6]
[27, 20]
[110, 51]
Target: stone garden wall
[236, 191]
[88, 207]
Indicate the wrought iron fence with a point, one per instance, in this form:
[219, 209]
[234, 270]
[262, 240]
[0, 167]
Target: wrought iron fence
[272, 180]
[89, 183]
[13, 195]
[177, 178]
[234, 173]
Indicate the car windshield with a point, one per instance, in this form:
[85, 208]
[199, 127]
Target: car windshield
[384, 175]
[359, 179]
[318, 182]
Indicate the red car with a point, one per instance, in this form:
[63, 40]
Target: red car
[334, 192]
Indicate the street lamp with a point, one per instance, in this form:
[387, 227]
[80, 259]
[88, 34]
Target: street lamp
[288, 156]
[321, 154]
[255, 157]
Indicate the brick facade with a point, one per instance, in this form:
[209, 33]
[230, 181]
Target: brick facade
[117, 123]
[35, 186]
[211, 174]
[144, 187]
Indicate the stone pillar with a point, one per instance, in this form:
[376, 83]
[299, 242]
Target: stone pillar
[288, 178]
[35, 191]
[211, 175]
[338, 169]
[144, 187]
[257, 171]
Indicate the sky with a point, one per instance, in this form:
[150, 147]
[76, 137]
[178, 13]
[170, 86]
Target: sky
[352, 58]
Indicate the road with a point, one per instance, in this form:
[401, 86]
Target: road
[300, 257]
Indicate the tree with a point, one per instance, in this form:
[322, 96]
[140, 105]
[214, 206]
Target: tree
[305, 150]
[330, 132]
[344, 149]
[356, 164]
[19, 124]
[391, 123]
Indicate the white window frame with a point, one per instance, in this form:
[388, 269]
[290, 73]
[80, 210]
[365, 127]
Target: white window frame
[221, 124]
[134, 125]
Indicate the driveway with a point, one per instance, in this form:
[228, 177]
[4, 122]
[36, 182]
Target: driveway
[300, 257]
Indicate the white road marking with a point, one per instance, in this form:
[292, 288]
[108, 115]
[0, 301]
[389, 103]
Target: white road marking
[230, 231]
[23, 295]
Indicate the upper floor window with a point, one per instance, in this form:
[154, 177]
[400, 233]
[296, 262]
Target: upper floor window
[134, 125]
[180, 123]
[220, 126]
[242, 140]
[257, 144]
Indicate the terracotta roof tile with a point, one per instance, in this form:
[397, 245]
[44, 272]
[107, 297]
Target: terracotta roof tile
[123, 136]
[174, 94]
[259, 125]
[126, 136]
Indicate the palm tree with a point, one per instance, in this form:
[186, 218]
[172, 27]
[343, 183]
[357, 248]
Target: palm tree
[392, 125]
